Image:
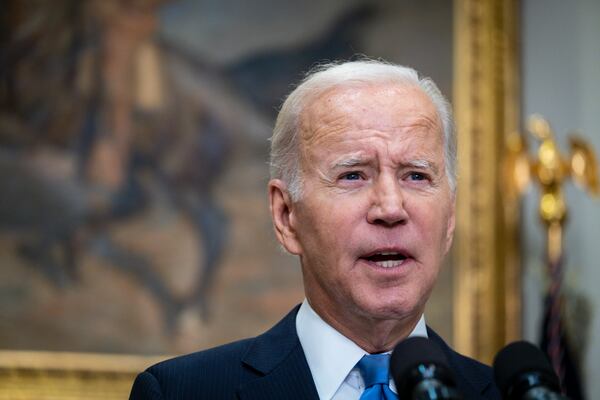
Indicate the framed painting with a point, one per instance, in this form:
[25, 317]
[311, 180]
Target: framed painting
[133, 148]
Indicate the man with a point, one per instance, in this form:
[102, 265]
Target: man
[363, 190]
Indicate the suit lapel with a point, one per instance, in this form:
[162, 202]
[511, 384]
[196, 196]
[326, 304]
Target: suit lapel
[277, 357]
[473, 378]
[289, 380]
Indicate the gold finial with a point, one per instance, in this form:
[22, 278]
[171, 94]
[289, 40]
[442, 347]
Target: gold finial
[539, 127]
[517, 168]
[584, 167]
[550, 169]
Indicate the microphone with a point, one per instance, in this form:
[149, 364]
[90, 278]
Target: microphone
[420, 371]
[523, 372]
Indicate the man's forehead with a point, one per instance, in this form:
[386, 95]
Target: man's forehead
[354, 93]
[357, 94]
[367, 107]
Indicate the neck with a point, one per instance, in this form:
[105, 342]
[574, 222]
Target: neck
[374, 335]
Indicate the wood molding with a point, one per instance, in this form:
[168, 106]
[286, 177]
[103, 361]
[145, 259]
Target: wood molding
[39, 375]
[486, 258]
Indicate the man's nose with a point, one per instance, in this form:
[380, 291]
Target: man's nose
[387, 206]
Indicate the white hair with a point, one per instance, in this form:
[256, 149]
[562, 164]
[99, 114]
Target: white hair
[285, 158]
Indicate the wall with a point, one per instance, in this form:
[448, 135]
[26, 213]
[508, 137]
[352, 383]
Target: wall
[561, 80]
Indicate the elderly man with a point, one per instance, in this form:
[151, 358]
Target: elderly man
[363, 190]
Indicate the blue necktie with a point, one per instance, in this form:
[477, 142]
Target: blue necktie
[374, 369]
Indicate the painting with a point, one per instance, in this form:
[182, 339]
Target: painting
[133, 161]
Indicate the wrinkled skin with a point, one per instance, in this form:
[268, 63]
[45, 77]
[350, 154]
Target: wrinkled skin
[374, 183]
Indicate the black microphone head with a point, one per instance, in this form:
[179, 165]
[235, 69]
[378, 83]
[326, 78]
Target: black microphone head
[411, 354]
[518, 359]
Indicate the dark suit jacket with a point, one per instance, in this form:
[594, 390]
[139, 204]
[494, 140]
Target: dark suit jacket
[272, 366]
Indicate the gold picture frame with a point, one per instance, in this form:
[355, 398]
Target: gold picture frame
[486, 259]
[486, 275]
[29, 375]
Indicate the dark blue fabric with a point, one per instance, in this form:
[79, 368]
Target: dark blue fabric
[473, 379]
[271, 366]
[375, 370]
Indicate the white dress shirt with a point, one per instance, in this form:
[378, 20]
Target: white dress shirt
[332, 357]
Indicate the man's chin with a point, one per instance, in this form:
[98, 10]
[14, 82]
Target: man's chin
[393, 310]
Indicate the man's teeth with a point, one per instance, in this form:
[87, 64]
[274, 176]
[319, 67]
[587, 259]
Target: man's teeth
[387, 259]
[389, 263]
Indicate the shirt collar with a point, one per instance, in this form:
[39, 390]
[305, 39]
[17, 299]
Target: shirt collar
[331, 355]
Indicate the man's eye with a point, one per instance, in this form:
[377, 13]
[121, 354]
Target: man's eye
[417, 176]
[351, 176]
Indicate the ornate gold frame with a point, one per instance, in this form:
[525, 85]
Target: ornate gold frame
[486, 259]
[487, 299]
[37, 375]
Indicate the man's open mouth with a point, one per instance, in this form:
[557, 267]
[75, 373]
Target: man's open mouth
[386, 259]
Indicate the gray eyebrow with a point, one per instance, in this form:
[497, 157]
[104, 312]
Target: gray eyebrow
[419, 163]
[358, 160]
[424, 164]
[349, 161]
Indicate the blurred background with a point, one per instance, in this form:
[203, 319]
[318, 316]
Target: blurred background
[133, 161]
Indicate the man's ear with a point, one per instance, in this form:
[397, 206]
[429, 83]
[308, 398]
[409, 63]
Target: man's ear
[283, 216]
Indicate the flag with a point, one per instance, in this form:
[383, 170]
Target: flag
[554, 341]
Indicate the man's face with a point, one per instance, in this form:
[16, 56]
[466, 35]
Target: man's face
[376, 216]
